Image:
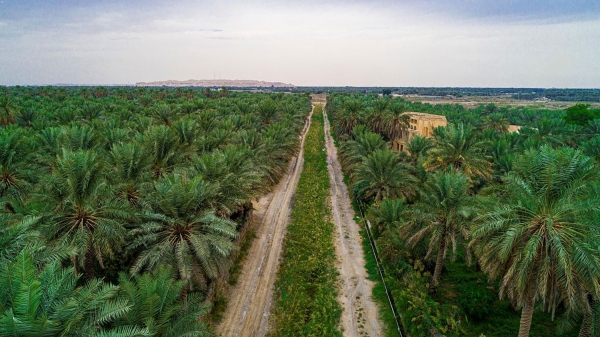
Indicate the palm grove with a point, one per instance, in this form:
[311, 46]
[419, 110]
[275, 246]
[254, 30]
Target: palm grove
[481, 231]
[121, 208]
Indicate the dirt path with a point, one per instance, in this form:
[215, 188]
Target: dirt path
[360, 314]
[250, 301]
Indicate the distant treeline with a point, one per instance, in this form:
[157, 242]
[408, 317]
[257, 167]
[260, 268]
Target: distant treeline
[568, 95]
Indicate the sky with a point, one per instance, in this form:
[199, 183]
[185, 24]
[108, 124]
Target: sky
[474, 43]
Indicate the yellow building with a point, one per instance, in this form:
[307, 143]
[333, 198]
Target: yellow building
[514, 128]
[421, 124]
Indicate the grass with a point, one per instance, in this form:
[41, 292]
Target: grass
[379, 295]
[305, 291]
[503, 319]
[236, 269]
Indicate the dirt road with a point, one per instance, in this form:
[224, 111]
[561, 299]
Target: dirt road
[360, 314]
[250, 300]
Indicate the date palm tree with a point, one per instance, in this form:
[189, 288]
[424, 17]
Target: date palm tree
[156, 305]
[183, 232]
[83, 213]
[365, 142]
[383, 175]
[129, 165]
[235, 175]
[49, 303]
[441, 217]
[458, 148]
[540, 235]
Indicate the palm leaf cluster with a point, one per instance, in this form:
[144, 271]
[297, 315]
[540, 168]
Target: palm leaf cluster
[143, 188]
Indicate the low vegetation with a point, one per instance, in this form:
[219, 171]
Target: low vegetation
[305, 293]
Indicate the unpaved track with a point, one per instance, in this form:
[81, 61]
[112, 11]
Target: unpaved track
[250, 300]
[360, 314]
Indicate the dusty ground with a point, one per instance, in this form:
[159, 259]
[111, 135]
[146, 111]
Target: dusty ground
[360, 313]
[250, 300]
[474, 101]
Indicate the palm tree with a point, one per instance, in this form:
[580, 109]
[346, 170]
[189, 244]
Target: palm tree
[457, 148]
[49, 303]
[441, 217]
[129, 171]
[365, 142]
[16, 171]
[348, 117]
[165, 113]
[162, 145]
[235, 176]
[7, 111]
[83, 214]
[156, 305]
[539, 235]
[418, 146]
[387, 213]
[496, 122]
[183, 232]
[382, 175]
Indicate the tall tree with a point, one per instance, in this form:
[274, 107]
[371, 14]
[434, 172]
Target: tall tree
[441, 217]
[49, 303]
[156, 305]
[456, 147]
[539, 236]
[183, 232]
[83, 213]
[383, 175]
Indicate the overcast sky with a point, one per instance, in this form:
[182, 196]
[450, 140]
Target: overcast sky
[483, 43]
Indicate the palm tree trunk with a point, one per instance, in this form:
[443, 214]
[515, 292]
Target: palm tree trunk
[526, 316]
[439, 263]
[90, 273]
[586, 326]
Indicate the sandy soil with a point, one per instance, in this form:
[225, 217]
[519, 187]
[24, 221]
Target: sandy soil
[360, 313]
[474, 101]
[250, 300]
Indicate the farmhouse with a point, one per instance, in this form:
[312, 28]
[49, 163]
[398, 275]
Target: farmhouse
[421, 124]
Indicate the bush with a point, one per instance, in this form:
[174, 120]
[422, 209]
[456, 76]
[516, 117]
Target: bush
[475, 299]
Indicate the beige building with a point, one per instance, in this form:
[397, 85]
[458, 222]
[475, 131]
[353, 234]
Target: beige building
[421, 124]
[514, 128]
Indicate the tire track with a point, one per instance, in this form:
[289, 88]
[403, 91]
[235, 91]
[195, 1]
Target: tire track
[360, 316]
[250, 300]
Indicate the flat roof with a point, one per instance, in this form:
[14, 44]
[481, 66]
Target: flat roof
[423, 115]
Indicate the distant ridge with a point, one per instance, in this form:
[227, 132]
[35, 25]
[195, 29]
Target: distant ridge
[213, 83]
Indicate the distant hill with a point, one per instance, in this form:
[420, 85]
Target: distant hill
[213, 83]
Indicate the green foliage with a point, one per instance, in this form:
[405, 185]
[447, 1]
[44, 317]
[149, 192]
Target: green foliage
[100, 179]
[306, 285]
[157, 307]
[580, 114]
[49, 303]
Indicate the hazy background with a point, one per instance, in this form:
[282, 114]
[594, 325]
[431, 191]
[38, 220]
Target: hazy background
[506, 43]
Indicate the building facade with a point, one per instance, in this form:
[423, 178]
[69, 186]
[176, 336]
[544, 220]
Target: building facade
[421, 124]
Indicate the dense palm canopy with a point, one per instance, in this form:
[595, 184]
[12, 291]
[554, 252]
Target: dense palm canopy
[486, 162]
[97, 181]
[541, 240]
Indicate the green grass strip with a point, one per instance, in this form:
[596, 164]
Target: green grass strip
[305, 290]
